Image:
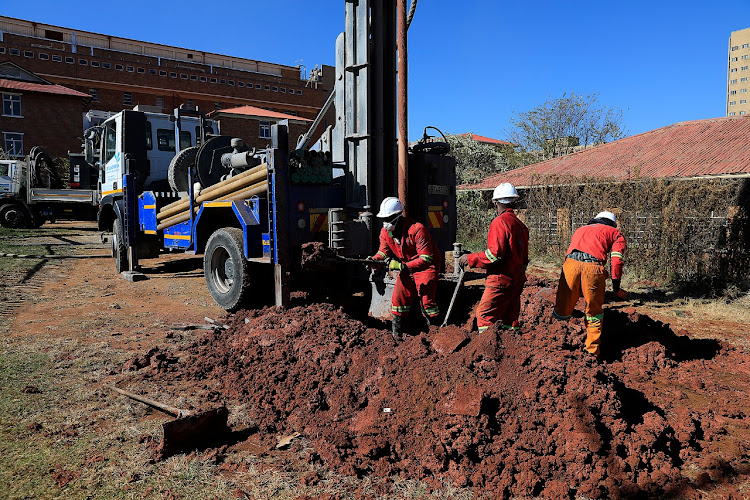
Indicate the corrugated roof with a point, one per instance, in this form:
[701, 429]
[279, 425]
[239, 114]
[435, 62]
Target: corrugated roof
[259, 113]
[717, 146]
[40, 87]
[488, 140]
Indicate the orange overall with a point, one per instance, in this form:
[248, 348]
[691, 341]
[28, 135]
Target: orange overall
[505, 260]
[583, 271]
[420, 258]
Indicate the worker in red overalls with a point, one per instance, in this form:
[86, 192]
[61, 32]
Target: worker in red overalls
[407, 247]
[505, 260]
[583, 270]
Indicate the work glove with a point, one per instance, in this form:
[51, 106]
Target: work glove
[463, 262]
[394, 265]
[619, 293]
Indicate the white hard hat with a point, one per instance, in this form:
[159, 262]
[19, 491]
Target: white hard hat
[505, 193]
[390, 206]
[606, 215]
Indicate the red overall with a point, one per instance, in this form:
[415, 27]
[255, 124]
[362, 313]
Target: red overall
[505, 260]
[597, 240]
[419, 255]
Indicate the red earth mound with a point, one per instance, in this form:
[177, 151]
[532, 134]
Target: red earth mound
[519, 413]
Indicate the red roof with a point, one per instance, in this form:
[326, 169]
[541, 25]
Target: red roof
[717, 146]
[487, 140]
[258, 112]
[40, 87]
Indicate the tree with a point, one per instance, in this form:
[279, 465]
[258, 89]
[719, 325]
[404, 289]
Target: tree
[561, 126]
[475, 160]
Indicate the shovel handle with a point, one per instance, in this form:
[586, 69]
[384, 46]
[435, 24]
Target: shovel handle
[453, 298]
[171, 410]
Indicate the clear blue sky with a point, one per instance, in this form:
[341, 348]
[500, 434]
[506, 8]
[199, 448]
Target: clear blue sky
[472, 63]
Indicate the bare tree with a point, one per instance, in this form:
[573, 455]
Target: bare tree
[563, 125]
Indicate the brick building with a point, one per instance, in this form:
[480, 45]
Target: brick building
[37, 112]
[119, 73]
[738, 73]
[253, 124]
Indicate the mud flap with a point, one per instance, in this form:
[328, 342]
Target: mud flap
[380, 298]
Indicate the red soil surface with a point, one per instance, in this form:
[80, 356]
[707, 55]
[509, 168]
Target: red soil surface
[510, 413]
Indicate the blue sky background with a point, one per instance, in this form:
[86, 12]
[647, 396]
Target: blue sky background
[471, 63]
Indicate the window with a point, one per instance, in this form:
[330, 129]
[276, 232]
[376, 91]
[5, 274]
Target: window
[744, 79]
[53, 35]
[106, 65]
[732, 59]
[275, 89]
[183, 76]
[744, 68]
[258, 86]
[110, 140]
[153, 72]
[165, 139]
[28, 53]
[2, 50]
[83, 62]
[735, 47]
[56, 58]
[733, 70]
[204, 79]
[43, 56]
[13, 143]
[94, 64]
[214, 80]
[732, 113]
[193, 78]
[746, 56]
[190, 56]
[94, 93]
[745, 45]
[732, 92]
[742, 91]
[172, 74]
[119, 67]
[12, 105]
[217, 106]
[231, 82]
[732, 103]
[283, 90]
[266, 87]
[732, 81]
[15, 52]
[141, 71]
[222, 81]
[265, 130]
[240, 84]
[743, 112]
[160, 102]
[299, 92]
[162, 73]
[70, 60]
[130, 69]
[127, 98]
[743, 101]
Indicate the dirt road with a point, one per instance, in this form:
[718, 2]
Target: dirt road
[76, 324]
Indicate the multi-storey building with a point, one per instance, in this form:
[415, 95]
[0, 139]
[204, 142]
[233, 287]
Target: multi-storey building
[119, 73]
[738, 73]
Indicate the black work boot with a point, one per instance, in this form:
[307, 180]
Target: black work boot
[397, 327]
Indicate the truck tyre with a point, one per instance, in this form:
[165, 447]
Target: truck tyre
[14, 216]
[226, 269]
[119, 250]
[177, 174]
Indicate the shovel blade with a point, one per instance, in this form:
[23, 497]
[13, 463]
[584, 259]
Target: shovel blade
[197, 431]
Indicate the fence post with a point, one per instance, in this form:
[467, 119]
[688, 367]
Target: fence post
[564, 225]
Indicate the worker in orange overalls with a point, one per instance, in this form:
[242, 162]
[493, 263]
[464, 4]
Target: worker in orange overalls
[583, 269]
[407, 247]
[505, 260]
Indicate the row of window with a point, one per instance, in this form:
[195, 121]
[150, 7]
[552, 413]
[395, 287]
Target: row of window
[733, 113]
[742, 101]
[744, 46]
[172, 74]
[734, 59]
[733, 92]
[743, 79]
[734, 70]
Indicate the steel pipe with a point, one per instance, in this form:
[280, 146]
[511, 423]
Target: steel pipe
[403, 122]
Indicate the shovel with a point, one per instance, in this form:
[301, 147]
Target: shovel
[453, 299]
[190, 430]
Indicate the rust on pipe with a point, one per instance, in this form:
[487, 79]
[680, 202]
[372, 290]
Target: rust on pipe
[403, 123]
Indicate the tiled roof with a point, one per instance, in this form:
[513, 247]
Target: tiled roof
[487, 140]
[717, 146]
[40, 87]
[258, 113]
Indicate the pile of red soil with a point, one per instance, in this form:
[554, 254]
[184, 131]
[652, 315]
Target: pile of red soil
[515, 413]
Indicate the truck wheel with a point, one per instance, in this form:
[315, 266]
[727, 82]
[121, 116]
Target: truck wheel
[226, 269]
[119, 250]
[177, 174]
[13, 216]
